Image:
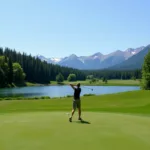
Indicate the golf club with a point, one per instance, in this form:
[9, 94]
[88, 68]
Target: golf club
[87, 88]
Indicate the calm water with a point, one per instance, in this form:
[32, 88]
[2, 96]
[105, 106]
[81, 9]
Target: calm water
[61, 91]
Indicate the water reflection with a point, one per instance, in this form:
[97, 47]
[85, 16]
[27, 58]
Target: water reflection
[61, 91]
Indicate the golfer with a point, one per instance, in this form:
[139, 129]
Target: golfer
[76, 101]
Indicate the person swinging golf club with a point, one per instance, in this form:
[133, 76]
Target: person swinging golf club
[76, 101]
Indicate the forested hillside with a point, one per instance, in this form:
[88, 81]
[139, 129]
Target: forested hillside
[114, 74]
[35, 70]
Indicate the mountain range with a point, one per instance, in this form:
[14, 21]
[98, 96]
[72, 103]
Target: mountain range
[131, 58]
[134, 62]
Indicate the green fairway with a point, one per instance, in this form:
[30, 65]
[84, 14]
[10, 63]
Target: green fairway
[51, 130]
[116, 121]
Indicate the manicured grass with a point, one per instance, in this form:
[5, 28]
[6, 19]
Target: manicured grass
[109, 83]
[127, 102]
[124, 82]
[116, 121]
[86, 82]
[51, 130]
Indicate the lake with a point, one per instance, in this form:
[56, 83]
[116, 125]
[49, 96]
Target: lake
[61, 91]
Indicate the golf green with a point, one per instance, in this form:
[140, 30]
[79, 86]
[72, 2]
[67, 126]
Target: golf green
[52, 130]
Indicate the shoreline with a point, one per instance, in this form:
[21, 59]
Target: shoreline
[46, 97]
[115, 101]
[84, 83]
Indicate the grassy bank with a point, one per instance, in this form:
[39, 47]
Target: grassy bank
[128, 102]
[35, 84]
[86, 82]
[24, 84]
[100, 83]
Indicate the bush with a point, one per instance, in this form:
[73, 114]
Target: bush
[45, 97]
[71, 77]
[69, 96]
[104, 79]
[90, 77]
[88, 94]
[93, 80]
[59, 78]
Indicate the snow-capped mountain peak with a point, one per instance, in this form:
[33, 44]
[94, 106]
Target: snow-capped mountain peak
[129, 50]
[133, 52]
[56, 59]
[95, 61]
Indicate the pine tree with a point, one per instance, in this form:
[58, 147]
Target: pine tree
[1, 51]
[10, 72]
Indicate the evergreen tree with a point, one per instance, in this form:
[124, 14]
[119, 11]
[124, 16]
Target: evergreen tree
[1, 51]
[10, 72]
[2, 78]
[146, 73]
[3, 71]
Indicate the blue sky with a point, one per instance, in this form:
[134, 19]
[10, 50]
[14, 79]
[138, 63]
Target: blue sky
[58, 28]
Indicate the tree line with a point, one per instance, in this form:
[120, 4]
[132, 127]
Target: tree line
[16, 67]
[34, 69]
[114, 74]
[145, 84]
[10, 72]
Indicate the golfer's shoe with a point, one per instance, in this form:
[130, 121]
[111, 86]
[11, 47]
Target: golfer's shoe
[70, 119]
[80, 119]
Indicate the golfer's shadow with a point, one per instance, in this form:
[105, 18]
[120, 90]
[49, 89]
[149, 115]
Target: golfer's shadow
[83, 122]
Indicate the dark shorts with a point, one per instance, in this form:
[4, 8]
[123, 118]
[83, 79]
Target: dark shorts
[76, 104]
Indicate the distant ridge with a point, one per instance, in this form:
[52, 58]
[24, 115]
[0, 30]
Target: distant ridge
[100, 61]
